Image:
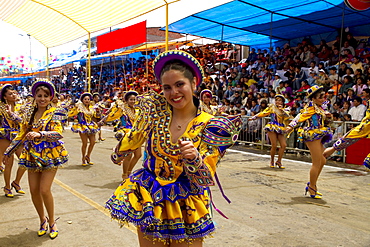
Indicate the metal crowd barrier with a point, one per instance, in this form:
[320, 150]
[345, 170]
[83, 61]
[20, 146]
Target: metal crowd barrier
[253, 134]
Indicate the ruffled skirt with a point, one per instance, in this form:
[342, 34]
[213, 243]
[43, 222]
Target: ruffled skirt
[43, 156]
[174, 212]
[88, 128]
[275, 127]
[306, 134]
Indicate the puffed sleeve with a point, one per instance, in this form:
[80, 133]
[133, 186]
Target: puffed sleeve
[264, 113]
[18, 140]
[149, 107]
[305, 114]
[220, 133]
[73, 112]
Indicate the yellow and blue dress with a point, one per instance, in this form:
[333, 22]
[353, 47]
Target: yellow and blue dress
[360, 131]
[10, 122]
[47, 152]
[85, 123]
[314, 126]
[168, 198]
[279, 118]
[210, 109]
[126, 117]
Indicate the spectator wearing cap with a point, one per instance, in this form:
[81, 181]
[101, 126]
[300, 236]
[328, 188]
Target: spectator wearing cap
[331, 97]
[277, 81]
[321, 78]
[357, 112]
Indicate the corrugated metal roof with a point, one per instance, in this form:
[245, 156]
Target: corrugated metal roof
[56, 22]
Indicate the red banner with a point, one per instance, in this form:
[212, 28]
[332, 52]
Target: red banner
[132, 35]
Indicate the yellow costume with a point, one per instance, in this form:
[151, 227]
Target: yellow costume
[313, 118]
[84, 124]
[10, 122]
[360, 131]
[209, 109]
[122, 112]
[279, 118]
[47, 152]
[168, 198]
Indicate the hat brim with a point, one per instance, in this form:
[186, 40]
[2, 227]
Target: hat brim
[165, 57]
[86, 94]
[130, 93]
[43, 83]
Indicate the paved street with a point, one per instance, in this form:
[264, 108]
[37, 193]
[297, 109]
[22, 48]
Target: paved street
[268, 205]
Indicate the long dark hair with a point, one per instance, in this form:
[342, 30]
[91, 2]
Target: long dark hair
[4, 91]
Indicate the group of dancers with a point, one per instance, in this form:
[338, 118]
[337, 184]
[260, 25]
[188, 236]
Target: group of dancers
[168, 199]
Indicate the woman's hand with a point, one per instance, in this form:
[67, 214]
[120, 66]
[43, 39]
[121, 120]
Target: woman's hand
[5, 160]
[33, 135]
[187, 150]
[288, 129]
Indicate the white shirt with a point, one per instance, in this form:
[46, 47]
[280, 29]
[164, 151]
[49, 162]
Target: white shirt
[357, 112]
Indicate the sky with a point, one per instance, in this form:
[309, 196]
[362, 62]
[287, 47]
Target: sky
[16, 42]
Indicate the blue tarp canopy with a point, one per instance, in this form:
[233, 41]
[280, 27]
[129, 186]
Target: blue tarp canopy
[253, 22]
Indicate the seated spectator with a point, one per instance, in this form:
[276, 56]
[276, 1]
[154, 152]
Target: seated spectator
[321, 78]
[300, 75]
[358, 74]
[347, 56]
[350, 96]
[335, 108]
[313, 58]
[342, 70]
[347, 83]
[312, 78]
[288, 89]
[334, 58]
[271, 99]
[365, 96]
[263, 105]
[351, 41]
[357, 112]
[345, 108]
[331, 77]
[277, 81]
[359, 87]
[357, 64]
[304, 87]
[331, 97]
[350, 49]
[255, 107]
[349, 72]
[229, 92]
[324, 54]
[236, 98]
[280, 89]
[313, 67]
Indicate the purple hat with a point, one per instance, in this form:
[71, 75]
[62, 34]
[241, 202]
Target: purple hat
[205, 91]
[47, 84]
[162, 59]
[86, 94]
[3, 88]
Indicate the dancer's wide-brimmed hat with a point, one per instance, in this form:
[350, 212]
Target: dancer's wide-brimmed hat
[165, 57]
[47, 84]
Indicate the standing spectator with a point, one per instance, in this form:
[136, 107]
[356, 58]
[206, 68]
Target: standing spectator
[357, 112]
[300, 76]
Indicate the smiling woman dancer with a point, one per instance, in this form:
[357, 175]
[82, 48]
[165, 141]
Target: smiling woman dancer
[42, 153]
[10, 121]
[314, 133]
[275, 128]
[125, 111]
[168, 199]
[85, 125]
